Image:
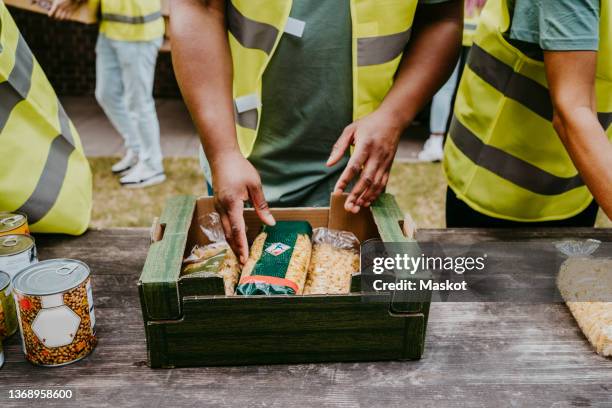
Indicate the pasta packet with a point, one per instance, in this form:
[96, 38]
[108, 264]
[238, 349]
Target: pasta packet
[214, 259]
[334, 260]
[278, 261]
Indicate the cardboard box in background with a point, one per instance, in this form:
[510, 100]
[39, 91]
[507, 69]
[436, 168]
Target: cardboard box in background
[87, 13]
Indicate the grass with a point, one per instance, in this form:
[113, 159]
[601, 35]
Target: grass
[419, 189]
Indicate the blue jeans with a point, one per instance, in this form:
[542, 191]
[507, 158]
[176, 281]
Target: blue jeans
[441, 103]
[124, 89]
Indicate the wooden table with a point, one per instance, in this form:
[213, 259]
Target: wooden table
[477, 354]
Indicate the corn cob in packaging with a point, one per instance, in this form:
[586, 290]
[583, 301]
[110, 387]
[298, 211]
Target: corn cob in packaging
[278, 261]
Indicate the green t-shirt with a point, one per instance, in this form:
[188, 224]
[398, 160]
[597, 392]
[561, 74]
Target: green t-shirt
[557, 25]
[307, 102]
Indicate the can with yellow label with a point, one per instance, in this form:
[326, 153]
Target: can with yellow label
[14, 224]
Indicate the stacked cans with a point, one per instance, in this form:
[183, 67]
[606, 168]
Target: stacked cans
[14, 224]
[17, 251]
[8, 318]
[51, 301]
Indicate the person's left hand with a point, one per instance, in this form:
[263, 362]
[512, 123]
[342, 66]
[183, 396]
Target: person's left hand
[62, 9]
[375, 138]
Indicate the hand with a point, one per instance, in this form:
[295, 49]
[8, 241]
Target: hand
[235, 181]
[375, 138]
[62, 9]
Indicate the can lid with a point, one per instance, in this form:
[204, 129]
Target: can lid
[15, 244]
[50, 277]
[5, 280]
[9, 221]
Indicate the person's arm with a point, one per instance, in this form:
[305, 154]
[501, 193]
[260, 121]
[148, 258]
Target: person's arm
[203, 65]
[571, 79]
[63, 9]
[427, 63]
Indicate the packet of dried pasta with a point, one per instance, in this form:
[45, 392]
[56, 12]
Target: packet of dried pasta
[278, 260]
[334, 260]
[215, 259]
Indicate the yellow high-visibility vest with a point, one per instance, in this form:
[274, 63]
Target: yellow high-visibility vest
[131, 20]
[470, 24]
[503, 157]
[43, 169]
[381, 30]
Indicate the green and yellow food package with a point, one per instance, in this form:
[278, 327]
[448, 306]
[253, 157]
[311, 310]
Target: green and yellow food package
[278, 261]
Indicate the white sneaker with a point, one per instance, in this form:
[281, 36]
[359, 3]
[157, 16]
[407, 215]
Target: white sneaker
[129, 160]
[142, 176]
[433, 150]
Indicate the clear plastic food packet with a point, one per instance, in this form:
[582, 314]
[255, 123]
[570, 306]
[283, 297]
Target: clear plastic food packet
[216, 258]
[334, 260]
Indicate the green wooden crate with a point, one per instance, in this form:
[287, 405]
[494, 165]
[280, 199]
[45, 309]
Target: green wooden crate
[190, 322]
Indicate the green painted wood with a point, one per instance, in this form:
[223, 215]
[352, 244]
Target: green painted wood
[387, 216]
[192, 285]
[189, 322]
[290, 329]
[160, 294]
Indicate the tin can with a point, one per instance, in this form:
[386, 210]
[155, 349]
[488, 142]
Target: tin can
[8, 314]
[56, 312]
[17, 252]
[14, 224]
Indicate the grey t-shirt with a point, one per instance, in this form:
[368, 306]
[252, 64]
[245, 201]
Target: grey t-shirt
[557, 25]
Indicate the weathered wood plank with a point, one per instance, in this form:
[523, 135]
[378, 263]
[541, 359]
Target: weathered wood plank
[476, 354]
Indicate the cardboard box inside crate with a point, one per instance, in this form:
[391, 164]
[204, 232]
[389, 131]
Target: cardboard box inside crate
[335, 217]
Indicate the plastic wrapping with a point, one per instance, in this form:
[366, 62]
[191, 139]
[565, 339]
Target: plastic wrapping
[334, 260]
[586, 286]
[278, 260]
[214, 259]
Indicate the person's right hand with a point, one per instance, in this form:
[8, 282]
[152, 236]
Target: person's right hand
[62, 9]
[235, 181]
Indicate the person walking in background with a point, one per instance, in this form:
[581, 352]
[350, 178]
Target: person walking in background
[442, 102]
[131, 34]
[529, 141]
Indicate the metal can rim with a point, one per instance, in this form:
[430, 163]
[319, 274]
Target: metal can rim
[22, 236]
[13, 213]
[76, 285]
[3, 288]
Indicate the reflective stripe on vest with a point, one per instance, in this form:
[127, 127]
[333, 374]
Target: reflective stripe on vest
[43, 171]
[132, 20]
[470, 25]
[503, 157]
[381, 31]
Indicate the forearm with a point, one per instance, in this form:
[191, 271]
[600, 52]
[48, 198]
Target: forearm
[571, 79]
[590, 150]
[203, 66]
[428, 61]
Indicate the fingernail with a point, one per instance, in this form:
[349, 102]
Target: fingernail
[356, 209]
[270, 219]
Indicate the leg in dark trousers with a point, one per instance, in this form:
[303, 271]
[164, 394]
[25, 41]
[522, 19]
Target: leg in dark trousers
[460, 215]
